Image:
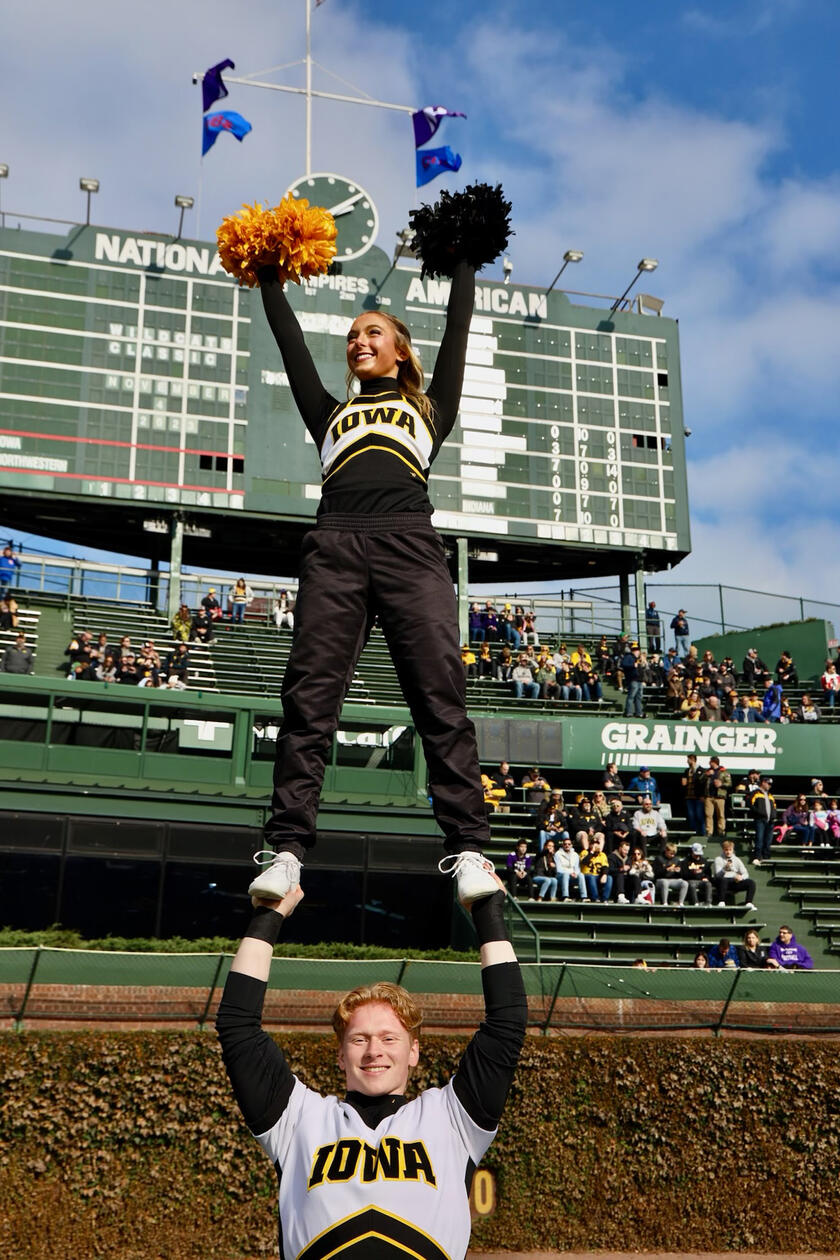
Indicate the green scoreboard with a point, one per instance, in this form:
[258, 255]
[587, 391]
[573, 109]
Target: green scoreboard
[134, 370]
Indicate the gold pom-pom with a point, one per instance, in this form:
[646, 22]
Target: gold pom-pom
[296, 238]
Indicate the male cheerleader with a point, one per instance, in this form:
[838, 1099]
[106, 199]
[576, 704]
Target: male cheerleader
[373, 1176]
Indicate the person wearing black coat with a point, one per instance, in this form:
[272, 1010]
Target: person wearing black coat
[751, 953]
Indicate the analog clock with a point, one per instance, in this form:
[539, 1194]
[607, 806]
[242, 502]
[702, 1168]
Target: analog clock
[351, 207]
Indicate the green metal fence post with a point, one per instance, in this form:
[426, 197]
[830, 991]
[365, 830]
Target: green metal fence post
[547, 1024]
[18, 1025]
[726, 1004]
[221, 962]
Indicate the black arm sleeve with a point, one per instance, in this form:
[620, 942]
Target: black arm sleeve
[312, 400]
[448, 376]
[486, 1071]
[256, 1066]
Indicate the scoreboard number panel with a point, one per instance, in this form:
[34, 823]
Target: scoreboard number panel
[132, 367]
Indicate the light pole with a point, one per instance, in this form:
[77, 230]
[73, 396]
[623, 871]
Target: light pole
[88, 186]
[570, 256]
[183, 203]
[644, 264]
[4, 174]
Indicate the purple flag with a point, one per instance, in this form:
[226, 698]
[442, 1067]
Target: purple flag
[428, 119]
[212, 87]
[433, 162]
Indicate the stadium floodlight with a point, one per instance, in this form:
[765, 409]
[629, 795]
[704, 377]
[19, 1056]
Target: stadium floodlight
[647, 302]
[88, 186]
[4, 174]
[644, 264]
[183, 203]
[403, 249]
[507, 268]
[570, 256]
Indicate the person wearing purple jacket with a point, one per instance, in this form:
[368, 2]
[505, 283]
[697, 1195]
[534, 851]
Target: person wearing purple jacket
[786, 954]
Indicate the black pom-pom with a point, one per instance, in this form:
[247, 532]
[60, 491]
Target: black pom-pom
[473, 225]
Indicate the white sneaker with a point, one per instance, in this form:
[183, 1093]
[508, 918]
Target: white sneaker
[621, 899]
[721, 903]
[281, 873]
[750, 905]
[473, 873]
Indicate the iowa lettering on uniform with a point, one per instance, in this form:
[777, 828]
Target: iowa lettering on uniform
[392, 1160]
[372, 415]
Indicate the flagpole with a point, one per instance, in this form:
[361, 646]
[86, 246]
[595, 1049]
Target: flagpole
[327, 96]
[308, 86]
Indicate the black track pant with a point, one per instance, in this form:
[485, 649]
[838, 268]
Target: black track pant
[352, 570]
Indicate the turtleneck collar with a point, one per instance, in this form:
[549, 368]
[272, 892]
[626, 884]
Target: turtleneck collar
[374, 1110]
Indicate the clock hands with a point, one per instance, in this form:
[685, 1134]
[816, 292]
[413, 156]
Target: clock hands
[344, 207]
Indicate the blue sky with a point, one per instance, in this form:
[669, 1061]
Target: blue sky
[703, 134]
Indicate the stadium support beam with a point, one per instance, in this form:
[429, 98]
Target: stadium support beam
[176, 552]
[641, 627]
[624, 599]
[463, 588]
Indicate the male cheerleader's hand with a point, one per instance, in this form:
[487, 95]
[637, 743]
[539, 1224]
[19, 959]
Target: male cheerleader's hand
[285, 906]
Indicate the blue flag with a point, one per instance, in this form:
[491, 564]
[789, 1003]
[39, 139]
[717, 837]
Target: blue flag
[433, 162]
[212, 87]
[427, 120]
[227, 120]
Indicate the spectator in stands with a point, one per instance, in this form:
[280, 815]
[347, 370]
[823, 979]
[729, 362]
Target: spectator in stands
[17, 658]
[78, 651]
[819, 821]
[654, 671]
[787, 674]
[653, 628]
[724, 954]
[529, 629]
[797, 818]
[561, 656]
[818, 791]
[696, 871]
[505, 665]
[522, 680]
[177, 667]
[148, 657]
[729, 705]
[490, 619]
[692, 782]
[787, 715]
[675, 686]
[106, 670]
[764, 813]
[617, 825]
[505, 780]
[553, 821]
[643, 784]
[529, 653]
[493, 796]
[468, 661]
[667, 875]
[701, 962]
[210, 604]
[691, 703]
[713, 711]
[591, 685]
[633, 705]
[536, 786]
[100, 649]
[545, 873]
[682, 641]
[201, 630]
[124, 649]
[508, 630]
[520, 875]
[8, 614]
[584, 823]
[717, 786]
[476, 624]
[830, 684]
[751, 952]
[787, 954]
[284, 612]
[148, 677]
[611, 782]
[691, 665]
[129, 675]
[600, 806]
[567, 863]
[771, 701]
[625, 884]
[182, 623]
[669, 660]
[754, 671]
[485, 664]
[833, 819]
[546, 677]
[9, 568]
[744, 712]
[594, 865]
[564, 675]
[240, 596]
[648, 824]
[642, 872]
[729, 876]
[807, 711]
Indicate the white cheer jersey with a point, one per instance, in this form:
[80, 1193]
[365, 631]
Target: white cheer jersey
[400, 1189]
